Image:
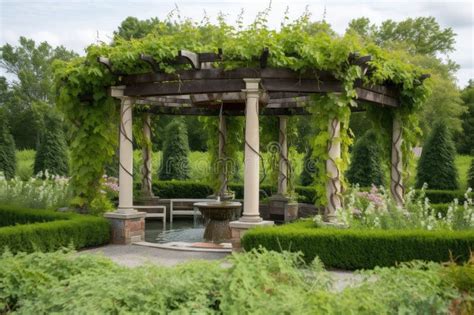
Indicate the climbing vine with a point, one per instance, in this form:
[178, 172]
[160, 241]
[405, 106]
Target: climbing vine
[298, 45]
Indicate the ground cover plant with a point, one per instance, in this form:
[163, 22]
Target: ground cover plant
[258, 282]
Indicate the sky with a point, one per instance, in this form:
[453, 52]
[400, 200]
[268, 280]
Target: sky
[76, 24]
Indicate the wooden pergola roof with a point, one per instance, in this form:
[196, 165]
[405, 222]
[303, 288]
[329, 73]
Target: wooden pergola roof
[202, 89]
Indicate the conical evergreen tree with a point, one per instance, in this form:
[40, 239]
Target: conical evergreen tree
[51, 154]
[436, 166]
[470, 175]
[175, 164]
[7, 150]
[366, 162]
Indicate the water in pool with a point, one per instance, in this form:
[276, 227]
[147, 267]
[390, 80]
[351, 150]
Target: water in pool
[182, 230]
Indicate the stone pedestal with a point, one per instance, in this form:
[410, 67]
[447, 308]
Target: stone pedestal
[281, 208]
[127, 228]
[239, 228]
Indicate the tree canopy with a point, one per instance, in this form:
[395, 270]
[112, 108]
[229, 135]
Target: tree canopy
[421, 35]
[31, 93]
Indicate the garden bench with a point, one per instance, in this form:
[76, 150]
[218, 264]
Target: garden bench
[154, 212]
[184, 207]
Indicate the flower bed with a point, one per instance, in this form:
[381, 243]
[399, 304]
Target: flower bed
[27, 230]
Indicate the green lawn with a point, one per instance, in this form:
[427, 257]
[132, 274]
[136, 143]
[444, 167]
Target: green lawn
[463, 162]
[199, 165]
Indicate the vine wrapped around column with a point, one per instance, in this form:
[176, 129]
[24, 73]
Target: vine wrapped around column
[396, 183]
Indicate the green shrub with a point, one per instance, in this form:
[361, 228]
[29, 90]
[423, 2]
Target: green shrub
[436, 166]
[52, 153]
[359, 248]
[180, 189]
[7, 149]
[470, 175]
[366, 164]
[257, 282]
[27, 230]
[175, 163]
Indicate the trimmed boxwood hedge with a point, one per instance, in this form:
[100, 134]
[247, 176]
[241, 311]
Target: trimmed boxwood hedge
[189, 189]
[360, 249]
[27, 230]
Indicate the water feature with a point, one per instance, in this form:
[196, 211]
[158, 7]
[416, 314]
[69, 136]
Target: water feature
[218, 215]
[181, 230]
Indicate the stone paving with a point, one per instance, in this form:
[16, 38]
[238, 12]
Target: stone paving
[135, 255]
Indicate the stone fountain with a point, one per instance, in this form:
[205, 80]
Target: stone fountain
[218, 214]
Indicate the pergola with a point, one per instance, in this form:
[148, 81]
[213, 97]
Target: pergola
[202, 89]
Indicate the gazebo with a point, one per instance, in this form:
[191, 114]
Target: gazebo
[202, 89]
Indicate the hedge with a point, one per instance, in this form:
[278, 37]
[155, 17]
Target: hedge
[189, 189]
[27, 230]
[360, 249]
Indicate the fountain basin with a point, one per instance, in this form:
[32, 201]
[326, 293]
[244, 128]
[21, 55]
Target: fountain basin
[219, 214]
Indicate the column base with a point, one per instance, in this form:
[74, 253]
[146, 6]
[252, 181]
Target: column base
[282, 209]
[127, 228]
[238, 229]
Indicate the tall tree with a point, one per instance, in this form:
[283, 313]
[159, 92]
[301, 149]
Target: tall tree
[465, 138]
[32, 91]
[7, 149]
[422, 40]
[421, 35]
[470, 175]
[366, 162]
[436, 165]
[52, 153]
[175, 163]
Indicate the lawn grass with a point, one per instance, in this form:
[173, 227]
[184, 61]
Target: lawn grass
[462, 164]
[25, 160]
[199, 166]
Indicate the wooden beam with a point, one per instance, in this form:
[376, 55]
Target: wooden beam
[376, 98]
[199, 111]
[185, 87]
[301, 86]
[218, 74]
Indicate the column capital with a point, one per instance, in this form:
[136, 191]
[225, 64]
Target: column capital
[252, 85]
[118, 92]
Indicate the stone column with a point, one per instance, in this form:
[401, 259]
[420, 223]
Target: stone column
[147, 157]
[128, 225]
[222, 158]
[333, 183]
[251, 216]
[126, 157]
[283, 163]
[396, 181]
[252, 155]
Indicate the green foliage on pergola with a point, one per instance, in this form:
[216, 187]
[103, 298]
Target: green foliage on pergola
[299, 48]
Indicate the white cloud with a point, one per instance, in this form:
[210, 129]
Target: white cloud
[75, 23]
